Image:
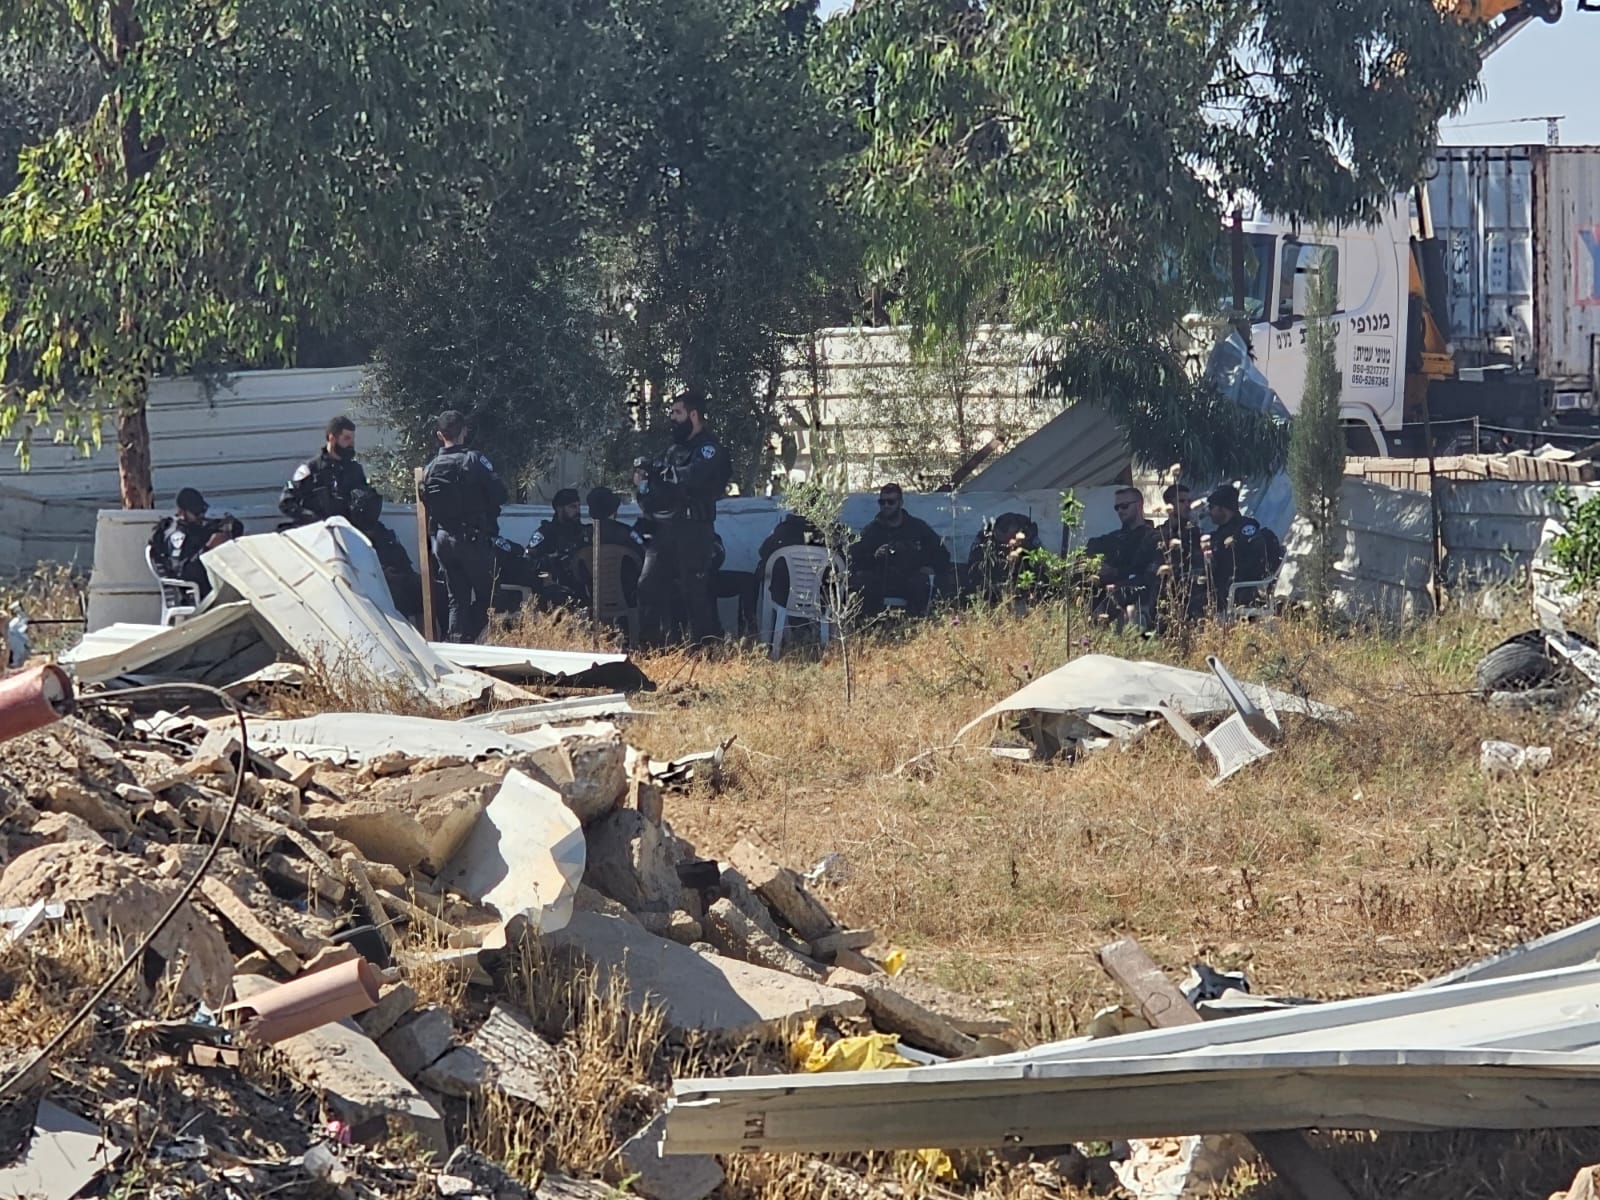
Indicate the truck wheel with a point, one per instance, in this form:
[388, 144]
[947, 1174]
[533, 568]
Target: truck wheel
[1518, 664]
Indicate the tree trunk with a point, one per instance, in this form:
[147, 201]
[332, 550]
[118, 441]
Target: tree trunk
[133, 456]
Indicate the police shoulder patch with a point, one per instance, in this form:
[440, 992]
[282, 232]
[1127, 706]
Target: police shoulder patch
[484, 459]
[1249, 529]
[303, 471]
[535, 539]
[708, 451]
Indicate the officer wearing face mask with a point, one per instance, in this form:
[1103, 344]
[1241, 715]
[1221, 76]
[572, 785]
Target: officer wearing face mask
[324, 486]
[678, 491]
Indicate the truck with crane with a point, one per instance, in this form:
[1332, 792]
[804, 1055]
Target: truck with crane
[1472, 303]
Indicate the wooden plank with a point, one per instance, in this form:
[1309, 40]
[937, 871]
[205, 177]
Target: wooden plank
[425, 561]
[1162, 1004]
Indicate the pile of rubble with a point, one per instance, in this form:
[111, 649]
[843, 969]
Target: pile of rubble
[547, 846]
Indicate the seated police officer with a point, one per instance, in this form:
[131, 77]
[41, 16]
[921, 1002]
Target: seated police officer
[405, 585]
[1130, 561]
[323, 486]
[603, 505]
[180, 540]
[464, 496]
[553, 550]
[1242, 549]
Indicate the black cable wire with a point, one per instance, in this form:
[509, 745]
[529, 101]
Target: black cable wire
[103, 700]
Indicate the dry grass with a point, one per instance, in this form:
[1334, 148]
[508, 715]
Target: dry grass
[1365, 856]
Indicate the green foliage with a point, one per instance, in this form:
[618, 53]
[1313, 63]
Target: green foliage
[1576, 549]
[243, 167]
[1317, 444]
[682, 198]
[1077, 162]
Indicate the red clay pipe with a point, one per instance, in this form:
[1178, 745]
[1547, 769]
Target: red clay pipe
[32, 699]
[306, 1002]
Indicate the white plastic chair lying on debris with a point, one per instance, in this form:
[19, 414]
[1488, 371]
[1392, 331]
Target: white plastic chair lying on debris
[1238, 741]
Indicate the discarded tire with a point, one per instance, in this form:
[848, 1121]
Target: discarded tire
[1519, 664]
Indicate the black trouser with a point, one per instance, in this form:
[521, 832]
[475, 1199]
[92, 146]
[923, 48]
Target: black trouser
[673, 585]
[466, 560]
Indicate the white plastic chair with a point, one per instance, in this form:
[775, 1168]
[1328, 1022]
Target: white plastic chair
[1238, 741]
[1263, 606]
[179, 597]
[808, 594]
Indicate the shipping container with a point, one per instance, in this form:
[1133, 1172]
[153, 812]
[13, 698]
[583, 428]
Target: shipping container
[1520, 228]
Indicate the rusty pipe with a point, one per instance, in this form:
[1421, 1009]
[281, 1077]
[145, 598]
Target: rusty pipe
[305, 1002]
[32, 699]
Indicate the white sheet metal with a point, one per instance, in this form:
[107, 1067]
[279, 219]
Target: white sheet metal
[554, 712]
[556, 664]
[991, 1103]
[322, 591]
[219, 645]
[356, 737]
[1106, 684]
[524, 857]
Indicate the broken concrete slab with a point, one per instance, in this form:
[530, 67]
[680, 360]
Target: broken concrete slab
[524, 856]
[586, 764]
[525, 1065]
[413, 829]
[418, 1041]
[118, 897]
[591, 901]
[735, 935]
[632, 860]
[356, 1079]
[783, 890]
[655, 1176]
[676, 926]
[62, 1159]
[100, 813]
[487, 1177]
[393, 1005]
[239, 915]
[63, 827]
[705, 992]
[963, 1012]
[461, 1072]
[553, 1186]
[737, 889]
[894, 1012]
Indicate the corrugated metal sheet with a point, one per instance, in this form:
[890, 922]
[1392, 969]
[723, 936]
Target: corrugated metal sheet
[1521, 227]
[1567, 252]
[1384, 565]
[1491, 530]
[1080, 448]
[1481, 201]
[237, 444]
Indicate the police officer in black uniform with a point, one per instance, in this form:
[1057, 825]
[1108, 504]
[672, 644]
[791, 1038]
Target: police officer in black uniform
[1242, 549]
[553, 550]
[463, 496]
[678, 490]
[180, 540]
[324, 486]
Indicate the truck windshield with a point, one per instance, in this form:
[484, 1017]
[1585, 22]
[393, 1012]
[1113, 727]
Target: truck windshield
[1257, 274]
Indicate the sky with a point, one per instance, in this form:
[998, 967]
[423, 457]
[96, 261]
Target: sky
[1543, 71]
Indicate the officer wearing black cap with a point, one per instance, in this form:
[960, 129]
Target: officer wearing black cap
[180, 540]
[603, 504]
[553, 549]
[1241, 549]
[463, 495]
[324, 486]
[678, 490]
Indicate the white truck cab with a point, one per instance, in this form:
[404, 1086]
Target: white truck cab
[1282, 264]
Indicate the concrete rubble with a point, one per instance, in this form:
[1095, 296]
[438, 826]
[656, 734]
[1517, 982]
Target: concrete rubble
[454, 856]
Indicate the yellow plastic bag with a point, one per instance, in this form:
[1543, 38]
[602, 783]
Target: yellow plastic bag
[813, 1054]
[894, 962]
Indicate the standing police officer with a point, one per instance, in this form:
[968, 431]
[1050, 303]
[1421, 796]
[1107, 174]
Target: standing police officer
[679, 491]
[324, 486]
[463, 496]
